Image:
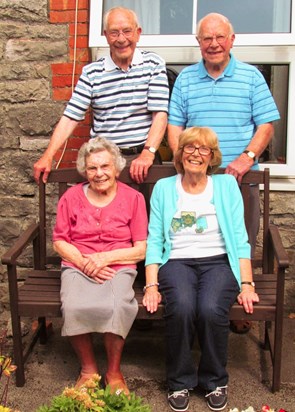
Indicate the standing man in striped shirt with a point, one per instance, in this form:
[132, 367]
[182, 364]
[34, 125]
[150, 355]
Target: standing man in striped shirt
[128, 94]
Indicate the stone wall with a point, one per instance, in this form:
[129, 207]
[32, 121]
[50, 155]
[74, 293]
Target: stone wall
[36, 63]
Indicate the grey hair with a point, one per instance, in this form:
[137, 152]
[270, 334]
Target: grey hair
[122, 9]
[216, 15]
[99, 144]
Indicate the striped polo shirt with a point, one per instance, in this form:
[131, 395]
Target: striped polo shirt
[233, 105]
[122, 102]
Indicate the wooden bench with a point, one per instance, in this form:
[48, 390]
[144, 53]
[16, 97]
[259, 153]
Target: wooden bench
[38, 295]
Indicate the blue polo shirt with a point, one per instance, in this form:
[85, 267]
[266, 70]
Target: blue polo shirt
[122, 102]
[233, 105]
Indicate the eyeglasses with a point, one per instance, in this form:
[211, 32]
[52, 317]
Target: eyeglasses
[115, 34]
[208, 40]
[203, 150]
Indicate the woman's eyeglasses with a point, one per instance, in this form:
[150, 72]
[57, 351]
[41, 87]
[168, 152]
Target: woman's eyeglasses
[203, 150]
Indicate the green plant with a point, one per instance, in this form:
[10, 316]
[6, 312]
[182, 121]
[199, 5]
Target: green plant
[91, 398]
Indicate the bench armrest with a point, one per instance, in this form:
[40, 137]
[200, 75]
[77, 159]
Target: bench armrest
[278, 248]
[9, 258]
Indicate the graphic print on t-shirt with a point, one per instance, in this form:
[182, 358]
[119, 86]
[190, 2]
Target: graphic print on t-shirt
[188, 219]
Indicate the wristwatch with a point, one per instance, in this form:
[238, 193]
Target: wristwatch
[248, 283]
[150, 149]
[250, 154]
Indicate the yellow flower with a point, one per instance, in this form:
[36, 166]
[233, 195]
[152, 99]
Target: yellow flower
[6, 367]
[4, 409]
[100, 403]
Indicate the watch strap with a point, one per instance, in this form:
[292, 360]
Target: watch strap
[150, 149]
[250, 154]
[248, 283]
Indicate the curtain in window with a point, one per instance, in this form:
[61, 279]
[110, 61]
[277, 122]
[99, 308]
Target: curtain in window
[148, 12]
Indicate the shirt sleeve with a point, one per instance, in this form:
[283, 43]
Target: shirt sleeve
[264, 106]
[139, 219]
[158, 93]
[177, 107]
[81, 98]
[62, 228]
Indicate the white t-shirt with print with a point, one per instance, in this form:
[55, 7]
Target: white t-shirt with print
[194, 230]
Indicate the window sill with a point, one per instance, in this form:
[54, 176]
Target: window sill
[282, 184]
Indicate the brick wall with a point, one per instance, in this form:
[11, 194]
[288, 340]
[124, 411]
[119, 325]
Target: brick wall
[64, 12]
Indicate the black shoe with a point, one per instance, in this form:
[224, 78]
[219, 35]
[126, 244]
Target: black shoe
[217, 399]
[178, 400]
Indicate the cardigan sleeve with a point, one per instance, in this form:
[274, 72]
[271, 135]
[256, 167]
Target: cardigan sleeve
[155, 242]
[229, 205]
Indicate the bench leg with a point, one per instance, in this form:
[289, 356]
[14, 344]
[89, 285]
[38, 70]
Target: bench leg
[42, 330]
[277, 355]
[18, 350]
[267, 329]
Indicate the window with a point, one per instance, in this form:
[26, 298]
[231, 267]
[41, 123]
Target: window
[265, 36]
[175, 20]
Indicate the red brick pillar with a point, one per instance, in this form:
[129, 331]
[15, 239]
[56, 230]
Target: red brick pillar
[64, 12]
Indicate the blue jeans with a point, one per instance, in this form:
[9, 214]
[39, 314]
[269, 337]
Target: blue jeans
[198, 294]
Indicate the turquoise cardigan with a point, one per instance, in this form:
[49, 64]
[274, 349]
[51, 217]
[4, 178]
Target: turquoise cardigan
[229, 206]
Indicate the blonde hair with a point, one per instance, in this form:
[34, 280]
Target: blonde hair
[99, 144]
[203, 136]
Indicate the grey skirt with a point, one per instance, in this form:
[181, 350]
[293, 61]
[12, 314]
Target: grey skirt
[88, 306]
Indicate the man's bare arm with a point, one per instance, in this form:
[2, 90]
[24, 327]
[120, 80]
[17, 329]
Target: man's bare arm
[140, 166]
[258, 144]
[173, 136]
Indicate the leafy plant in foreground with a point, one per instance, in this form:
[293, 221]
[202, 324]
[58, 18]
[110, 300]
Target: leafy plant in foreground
[91, 398]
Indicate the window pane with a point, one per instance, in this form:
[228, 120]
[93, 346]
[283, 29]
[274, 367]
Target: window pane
[159, 16]
[177, 16]
[251, 16]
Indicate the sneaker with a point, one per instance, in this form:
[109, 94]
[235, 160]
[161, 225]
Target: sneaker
[217, 399]
[178, 400]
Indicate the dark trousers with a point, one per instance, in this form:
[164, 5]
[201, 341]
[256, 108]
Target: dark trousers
[198, 294]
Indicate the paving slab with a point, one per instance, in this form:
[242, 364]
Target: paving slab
[53, 366]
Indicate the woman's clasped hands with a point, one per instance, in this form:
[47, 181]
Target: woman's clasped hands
[96, 267]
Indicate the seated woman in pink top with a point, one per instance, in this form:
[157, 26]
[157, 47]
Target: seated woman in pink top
[100, 234]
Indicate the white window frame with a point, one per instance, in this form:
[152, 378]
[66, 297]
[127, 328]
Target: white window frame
[255, 39]
[273, 48]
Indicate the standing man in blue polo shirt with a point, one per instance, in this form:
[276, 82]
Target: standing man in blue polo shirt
[229, 96]
[233, 99]
[128, 94]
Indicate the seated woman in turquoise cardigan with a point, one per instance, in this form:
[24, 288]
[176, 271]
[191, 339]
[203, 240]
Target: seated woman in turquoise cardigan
[198, 262]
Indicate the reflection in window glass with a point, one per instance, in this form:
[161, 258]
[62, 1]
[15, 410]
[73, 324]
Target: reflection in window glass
[160, 16]
[251, 16]
[179, 16]
[176, 16]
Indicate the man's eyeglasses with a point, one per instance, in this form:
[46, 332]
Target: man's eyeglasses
[116, 33]
[203, 150]
[220, 38]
